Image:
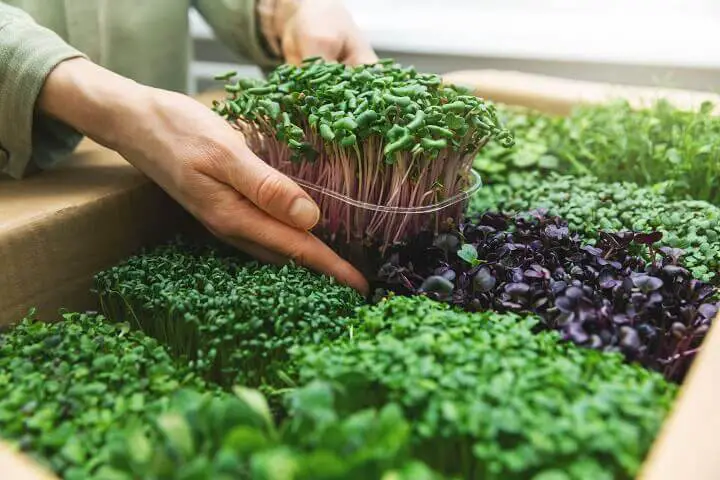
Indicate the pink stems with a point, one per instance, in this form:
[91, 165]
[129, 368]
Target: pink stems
[361, 173]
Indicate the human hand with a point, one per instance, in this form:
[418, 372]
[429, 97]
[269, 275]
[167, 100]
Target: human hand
[199, 160]
[307, 28]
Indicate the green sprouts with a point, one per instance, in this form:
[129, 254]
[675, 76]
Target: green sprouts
[66, 386]
[233, 437]
[378, 134]
[233, 320]
[616, 143]
[490, 399]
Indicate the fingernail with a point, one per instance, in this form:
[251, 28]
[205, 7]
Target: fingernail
[304, 213]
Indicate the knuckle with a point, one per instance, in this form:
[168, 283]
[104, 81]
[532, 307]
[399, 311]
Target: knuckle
[298, 250]
[217, 223]
[269, 190]
[323, 41]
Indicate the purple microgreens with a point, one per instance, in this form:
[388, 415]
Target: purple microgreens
[438, 286]
[673, 254]
[603, 296]
[646, 283]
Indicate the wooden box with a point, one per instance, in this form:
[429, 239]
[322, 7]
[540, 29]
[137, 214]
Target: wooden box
[61, 227]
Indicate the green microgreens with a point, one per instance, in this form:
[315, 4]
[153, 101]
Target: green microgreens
[489, 398]
[616, 143]
[233, 437]
[66, 385]
[232, 319]
[379, 134]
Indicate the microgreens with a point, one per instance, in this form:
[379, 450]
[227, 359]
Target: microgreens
[66, 385]
[469, 253]
[380, 134]
[489, 398]
[591, 206]
[601, 296]
[232, 437]
[232, 319]
[470, 362]
[614, 142]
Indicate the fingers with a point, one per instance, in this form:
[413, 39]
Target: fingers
[359, 52]
[271, 191]
[290, 47]
[256, 251]
[345, 274]
[298, 44]
[335, 43]
[237, 220]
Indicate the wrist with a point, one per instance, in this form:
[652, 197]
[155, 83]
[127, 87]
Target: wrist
[93, 100]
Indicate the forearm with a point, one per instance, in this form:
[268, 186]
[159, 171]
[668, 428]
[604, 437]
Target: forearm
[94, 101]
[143, 124]
[28, 52]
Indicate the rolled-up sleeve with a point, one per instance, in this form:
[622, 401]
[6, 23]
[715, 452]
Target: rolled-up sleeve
[28, 53]
[235, 23]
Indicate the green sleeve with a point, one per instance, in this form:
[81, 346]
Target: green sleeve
[236, 25]
[28, 53]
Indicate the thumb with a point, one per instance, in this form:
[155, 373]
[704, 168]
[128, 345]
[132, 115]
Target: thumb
[273, 192]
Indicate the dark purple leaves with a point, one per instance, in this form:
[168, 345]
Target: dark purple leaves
[447, 242]
[565, 304]
[495, 220]
[673, 271]
[437, 285]
[483, 280]
[678, 329]
[648, 238]
[603, 296]
[574, 293]
[708, 310]
[536, 271]
[615, 240]
[673, 254]
[607, 280]
[448, 274]
[629, 341]
[556, 232]
[646, 283]
[575, 333]
[595, 252]
[517, 290]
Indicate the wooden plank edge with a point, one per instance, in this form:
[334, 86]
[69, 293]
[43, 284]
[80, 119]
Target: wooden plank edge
[16, 465]
[686, 446]
[559, 96]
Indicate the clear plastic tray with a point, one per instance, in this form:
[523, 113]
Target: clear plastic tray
[347, 219]
[434, 207]
[367, 208]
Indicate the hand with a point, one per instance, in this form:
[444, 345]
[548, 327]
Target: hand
[198, 159]
[322, 28]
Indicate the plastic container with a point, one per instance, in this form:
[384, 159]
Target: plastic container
[361, 231]
[367, 205]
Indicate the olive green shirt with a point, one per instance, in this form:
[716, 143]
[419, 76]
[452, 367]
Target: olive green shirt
[146, 40]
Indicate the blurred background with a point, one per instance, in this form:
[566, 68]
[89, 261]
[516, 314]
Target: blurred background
[670, 43]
